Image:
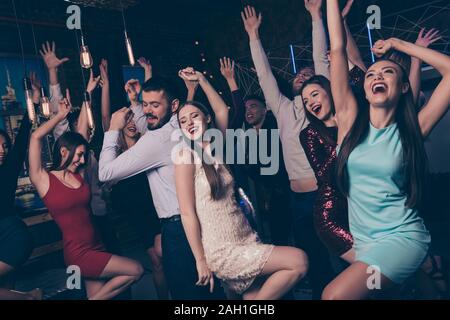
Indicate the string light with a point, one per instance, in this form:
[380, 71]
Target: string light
[128, 45]
[85, 55]
[44, 101]
[29, 100]
[90, 115]
[26, 82]
[87, 104]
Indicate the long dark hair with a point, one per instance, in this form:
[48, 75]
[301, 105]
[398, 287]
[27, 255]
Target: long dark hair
[71, 141]
[212, 175]
[317, 124]
[414, 156]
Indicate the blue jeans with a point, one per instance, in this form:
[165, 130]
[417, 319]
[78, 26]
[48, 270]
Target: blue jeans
[180, 268]
[320, 270]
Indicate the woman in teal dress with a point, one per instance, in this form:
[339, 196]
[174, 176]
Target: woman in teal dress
[381, 165]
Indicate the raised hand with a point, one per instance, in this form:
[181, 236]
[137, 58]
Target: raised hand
[227, 68]
[93, 82]
[120, 119]
[103, 72]
[36, 86]
[65, 106]
[133, 88]
[347, 8]
[314, 7]
[429, 38]
[146, 65]
[35, 81]
[49, 56]
[189, 74]
[381, 47]
[252, 22]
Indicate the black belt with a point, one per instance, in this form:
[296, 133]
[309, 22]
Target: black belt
[174, 218]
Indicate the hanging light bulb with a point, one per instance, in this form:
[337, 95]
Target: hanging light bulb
[29, 100]
[129, 50]
[90, 115]
[127, 39]
[45, 105]
[85, 55]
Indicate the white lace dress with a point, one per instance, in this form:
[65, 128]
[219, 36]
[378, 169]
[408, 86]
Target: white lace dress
[233, 250]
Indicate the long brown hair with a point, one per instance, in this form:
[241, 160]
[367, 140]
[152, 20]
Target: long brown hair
[215, 181]
[71, 141]
[414, 156]
[317, 124]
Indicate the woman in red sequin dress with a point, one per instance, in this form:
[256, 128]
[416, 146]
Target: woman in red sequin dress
[319, 142]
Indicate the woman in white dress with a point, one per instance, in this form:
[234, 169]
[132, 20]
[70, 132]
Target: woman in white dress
[219, 234]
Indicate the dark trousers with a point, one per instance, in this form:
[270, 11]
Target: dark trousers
[320, 270]
[280, 218]
[180, 268]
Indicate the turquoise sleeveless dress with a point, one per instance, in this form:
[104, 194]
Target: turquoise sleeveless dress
[386, 233]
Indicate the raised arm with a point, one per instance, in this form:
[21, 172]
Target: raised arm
[36, 85]
[14, 161]
[415, 73]
[106, 99]
[133, 89]
[148, 69]
[319, 38]
[148, 153]
[354, 55]
[344, 100]
[38, 175]
[274, 98]
[48, 53]
[215, 100]
[227, 71]
[439, 102]
[191, 87]
[184, 182]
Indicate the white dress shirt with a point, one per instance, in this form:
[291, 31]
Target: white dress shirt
[151, 154]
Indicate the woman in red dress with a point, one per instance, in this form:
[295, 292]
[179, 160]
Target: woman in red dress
[67, 197]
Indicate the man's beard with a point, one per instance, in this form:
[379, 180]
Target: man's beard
[160, 123]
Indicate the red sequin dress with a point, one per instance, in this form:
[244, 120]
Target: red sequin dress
[330, 210]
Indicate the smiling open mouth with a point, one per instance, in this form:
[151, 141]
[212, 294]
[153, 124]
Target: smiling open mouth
[316, 109]
[193, 130]
[151, 119]
[379, 88]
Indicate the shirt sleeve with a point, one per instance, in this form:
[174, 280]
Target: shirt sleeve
[321, 64]
[55, 97]
[275, 100]
[150, 152]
